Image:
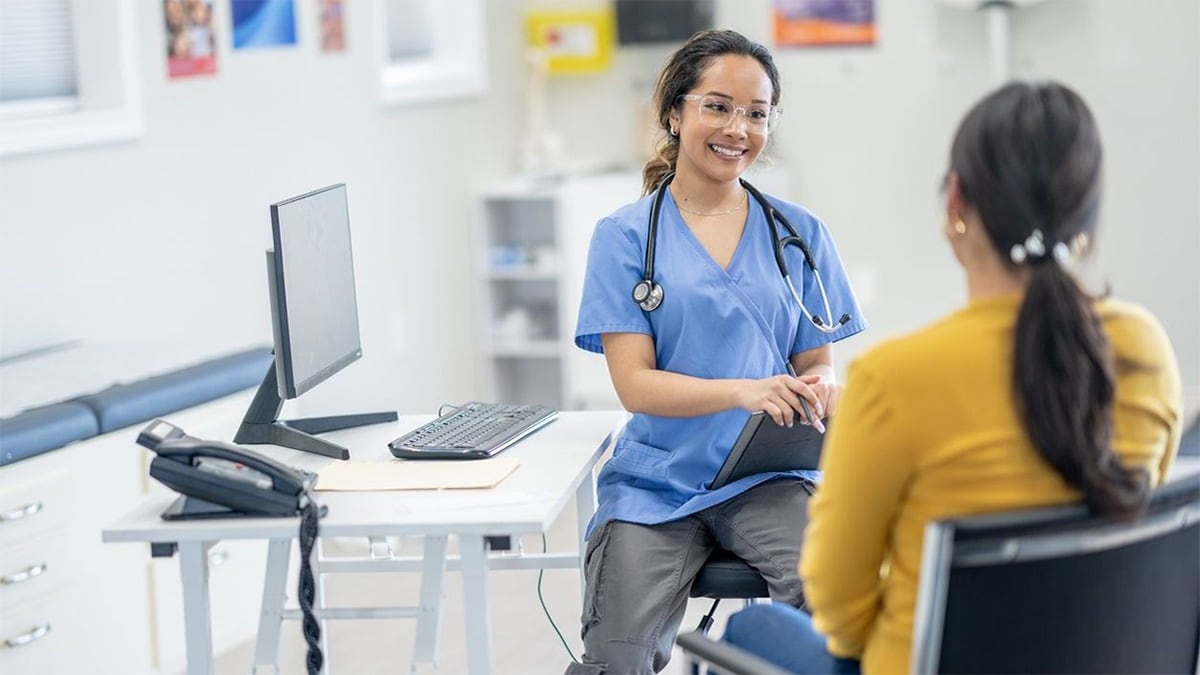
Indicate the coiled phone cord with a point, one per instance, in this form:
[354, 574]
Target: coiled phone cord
[309, 517]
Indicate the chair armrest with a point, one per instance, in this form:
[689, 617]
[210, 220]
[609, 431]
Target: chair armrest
[728, 658]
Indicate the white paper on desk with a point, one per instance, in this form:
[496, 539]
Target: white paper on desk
[415, 475]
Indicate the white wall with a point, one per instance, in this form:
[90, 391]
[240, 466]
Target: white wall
[164, 236]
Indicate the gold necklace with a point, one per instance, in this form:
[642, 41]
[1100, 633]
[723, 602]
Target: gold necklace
[681, 207]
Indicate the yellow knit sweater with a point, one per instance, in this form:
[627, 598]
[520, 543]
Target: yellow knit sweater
[927, 429]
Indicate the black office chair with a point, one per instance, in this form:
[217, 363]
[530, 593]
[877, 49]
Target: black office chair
[1061, 591]
[1053, 590]
[725, 575]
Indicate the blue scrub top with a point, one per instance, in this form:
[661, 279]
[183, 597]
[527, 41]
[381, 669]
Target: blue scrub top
[713, 323]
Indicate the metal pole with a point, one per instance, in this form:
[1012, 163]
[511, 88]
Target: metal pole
[999, 39]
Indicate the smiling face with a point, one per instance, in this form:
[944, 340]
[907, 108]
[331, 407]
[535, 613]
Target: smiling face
[722, 154]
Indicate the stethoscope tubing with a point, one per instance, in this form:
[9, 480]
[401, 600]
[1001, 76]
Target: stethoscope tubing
[646, 287]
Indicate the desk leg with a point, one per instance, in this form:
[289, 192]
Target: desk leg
[585, 506]
[474, 579]
[197, 616]
[433, 572]
[270, 618]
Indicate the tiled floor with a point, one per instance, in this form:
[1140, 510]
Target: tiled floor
[523, 643]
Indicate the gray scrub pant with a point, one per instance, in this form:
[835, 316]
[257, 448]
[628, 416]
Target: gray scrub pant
[638, 576]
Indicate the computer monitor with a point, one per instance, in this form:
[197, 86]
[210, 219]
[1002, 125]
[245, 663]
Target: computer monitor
[661, 21]
[314, 319]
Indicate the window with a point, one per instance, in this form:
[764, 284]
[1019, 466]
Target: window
[37, 53]
[430, 50]
[68, 73]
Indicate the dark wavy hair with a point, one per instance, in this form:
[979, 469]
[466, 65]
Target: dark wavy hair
[1028, 158]
[680, 75]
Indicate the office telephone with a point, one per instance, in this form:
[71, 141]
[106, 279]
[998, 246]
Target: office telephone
[221, 480]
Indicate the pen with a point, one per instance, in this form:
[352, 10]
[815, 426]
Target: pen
[816, 422]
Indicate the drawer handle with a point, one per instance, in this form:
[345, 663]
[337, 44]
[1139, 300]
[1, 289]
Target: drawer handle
[24, 575]
[22, 640]
[23, 512]
[218, 557]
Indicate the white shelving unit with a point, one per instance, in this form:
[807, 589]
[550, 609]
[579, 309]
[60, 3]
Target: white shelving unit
[534, 236]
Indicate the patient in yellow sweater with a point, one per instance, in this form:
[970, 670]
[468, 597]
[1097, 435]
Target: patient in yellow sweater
[1033, 394]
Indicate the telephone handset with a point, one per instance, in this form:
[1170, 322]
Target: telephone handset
[222, 479]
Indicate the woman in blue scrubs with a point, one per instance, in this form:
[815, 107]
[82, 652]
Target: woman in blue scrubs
[692, 369]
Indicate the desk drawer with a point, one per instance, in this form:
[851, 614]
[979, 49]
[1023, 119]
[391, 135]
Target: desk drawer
[33, 503]
[44, 637]
[38, 567]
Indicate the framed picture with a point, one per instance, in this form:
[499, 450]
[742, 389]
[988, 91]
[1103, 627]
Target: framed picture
[430, 50]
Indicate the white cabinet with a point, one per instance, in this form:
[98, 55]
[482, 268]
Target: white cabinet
[532, 258]
[69, 603]
[72, 604]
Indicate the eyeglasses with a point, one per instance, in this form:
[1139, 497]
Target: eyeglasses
[718, 111]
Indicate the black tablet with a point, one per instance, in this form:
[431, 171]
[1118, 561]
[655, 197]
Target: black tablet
[765, 447]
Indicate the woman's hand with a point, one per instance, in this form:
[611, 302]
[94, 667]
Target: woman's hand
[828, 392]
[779, 397]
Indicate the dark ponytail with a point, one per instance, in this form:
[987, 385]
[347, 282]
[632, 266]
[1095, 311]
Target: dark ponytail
[681, 73]
[1028, 159]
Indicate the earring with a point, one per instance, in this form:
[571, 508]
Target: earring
[959, 227]
[674, 131]
[1079, 243]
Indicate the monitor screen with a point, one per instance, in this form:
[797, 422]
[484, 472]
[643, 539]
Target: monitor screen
[314, 307]
[659, 21]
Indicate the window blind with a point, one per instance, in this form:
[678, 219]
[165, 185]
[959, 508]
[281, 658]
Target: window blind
[37, 50]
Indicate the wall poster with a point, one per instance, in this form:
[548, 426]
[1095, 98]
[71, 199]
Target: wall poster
[816, 23]
[333, 26]
[263, 23]
[191, 45]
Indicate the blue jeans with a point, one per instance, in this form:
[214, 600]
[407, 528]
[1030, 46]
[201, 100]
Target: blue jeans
[785, 636]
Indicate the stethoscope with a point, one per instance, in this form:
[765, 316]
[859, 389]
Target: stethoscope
[649, 295]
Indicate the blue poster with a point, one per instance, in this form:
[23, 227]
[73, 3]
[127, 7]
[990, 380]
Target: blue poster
[263, 23]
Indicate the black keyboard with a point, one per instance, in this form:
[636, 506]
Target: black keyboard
[472, 431]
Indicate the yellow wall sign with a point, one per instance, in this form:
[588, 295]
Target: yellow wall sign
[573, 42]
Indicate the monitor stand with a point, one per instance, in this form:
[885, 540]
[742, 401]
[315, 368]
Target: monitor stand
[262, 426]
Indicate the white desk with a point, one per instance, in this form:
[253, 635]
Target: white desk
[555, 463]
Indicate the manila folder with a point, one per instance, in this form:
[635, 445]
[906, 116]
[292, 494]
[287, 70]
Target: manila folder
[415, 475]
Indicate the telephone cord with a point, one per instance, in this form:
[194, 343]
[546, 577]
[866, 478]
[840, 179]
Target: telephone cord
[309, 518]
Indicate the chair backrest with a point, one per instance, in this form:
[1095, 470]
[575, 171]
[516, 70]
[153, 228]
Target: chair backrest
[1059, 590]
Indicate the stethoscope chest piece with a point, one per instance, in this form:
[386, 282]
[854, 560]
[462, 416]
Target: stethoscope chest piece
[648, 295]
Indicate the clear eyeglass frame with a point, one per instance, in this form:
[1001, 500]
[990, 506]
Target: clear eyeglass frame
[718, 111]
